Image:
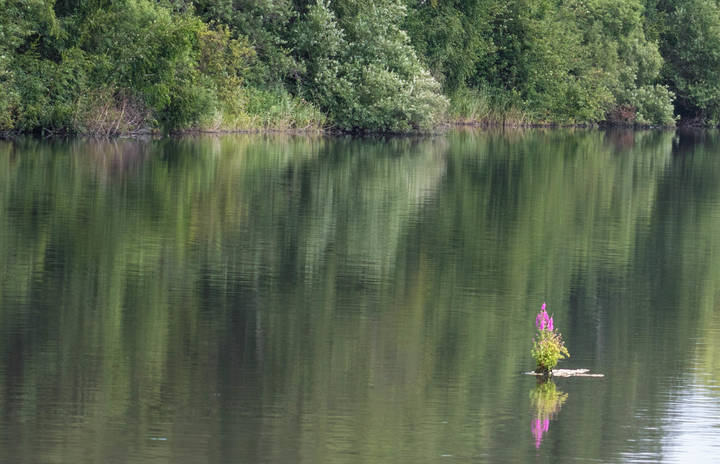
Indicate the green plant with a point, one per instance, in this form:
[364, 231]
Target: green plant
[654, 105]
[363, 71]
[470, 106]
[548, 346]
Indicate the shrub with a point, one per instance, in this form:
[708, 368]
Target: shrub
[548, 346]
[622, 115]
[365, 74]
[8, 97]
[145, 48]
[690, 44]
[108, 111]
[654, 105]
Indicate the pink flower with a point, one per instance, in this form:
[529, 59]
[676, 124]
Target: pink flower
[542, 320]
[539, 427]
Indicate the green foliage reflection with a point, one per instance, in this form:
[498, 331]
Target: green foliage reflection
[546, 401]
[260, 298]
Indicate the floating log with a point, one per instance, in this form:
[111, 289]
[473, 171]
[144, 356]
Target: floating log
[568, 373]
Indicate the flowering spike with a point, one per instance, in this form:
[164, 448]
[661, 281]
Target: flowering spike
[541, 321]
[550, 324]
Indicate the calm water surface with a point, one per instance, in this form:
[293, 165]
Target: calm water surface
[253, 299]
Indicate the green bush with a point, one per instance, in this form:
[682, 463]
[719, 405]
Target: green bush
[268, 23]
[154, 53]
[548, 346]
[9, 99]
[27, 27]
[454, 39]
[690, 46]
[183, 70]
[366, 75]
[547, 350]
[568, 61]
[48, 91]
[653, 105]
[371, 66]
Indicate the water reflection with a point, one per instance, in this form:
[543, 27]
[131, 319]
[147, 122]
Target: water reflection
[546, 401]
[293, 299]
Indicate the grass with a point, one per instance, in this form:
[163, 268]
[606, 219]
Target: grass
[485, 107]
[255, 109]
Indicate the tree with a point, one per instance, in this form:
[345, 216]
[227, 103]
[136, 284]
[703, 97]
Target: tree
[363, 71]
[691, 48]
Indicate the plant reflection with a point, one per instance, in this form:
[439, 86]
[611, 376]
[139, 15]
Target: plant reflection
[546, 401]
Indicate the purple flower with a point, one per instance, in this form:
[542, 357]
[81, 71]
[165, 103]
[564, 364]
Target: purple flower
[539, 427]
[543, 321]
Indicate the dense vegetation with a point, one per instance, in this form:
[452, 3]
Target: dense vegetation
[118, 66]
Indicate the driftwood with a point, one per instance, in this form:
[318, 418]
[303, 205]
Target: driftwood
[568, 373]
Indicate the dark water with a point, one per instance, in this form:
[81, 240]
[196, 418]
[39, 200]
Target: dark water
[250, 299]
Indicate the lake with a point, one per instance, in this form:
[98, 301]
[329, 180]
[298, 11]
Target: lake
[283, 299]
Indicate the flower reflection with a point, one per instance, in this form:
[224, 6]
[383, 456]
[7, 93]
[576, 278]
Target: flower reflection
[538, 428]
[546, 401]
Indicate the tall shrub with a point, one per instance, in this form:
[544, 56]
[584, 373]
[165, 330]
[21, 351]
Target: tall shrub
[363, 71]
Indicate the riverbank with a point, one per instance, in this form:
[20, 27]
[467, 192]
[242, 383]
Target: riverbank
[467, 123]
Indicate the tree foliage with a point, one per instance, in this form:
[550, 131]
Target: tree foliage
[691, 48]
[363, 71]
[380, 65]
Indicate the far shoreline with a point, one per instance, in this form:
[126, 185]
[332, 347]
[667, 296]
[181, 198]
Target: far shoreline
[441, 129]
